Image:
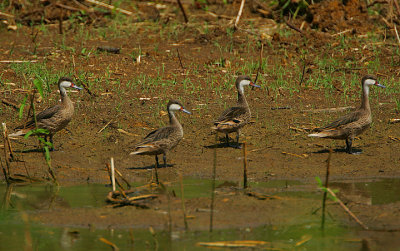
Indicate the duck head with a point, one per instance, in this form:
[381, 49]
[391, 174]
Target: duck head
[242, 81]
[66, 82]
[175, 105]
[369, 80]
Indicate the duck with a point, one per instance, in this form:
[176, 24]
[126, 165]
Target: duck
[354, 123]
[234, 118]
[54, 118]
[164, 139]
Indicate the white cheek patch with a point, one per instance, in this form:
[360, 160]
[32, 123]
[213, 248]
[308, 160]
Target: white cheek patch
[65, 84]
[370, 81]
[175, 107]
[243, 83]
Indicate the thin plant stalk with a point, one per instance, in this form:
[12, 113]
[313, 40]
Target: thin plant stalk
[244, 166]
[60, 23]
[108, 166]
[183, 11]
[112, 174]
[122, 177]
[183, 202]
[7, 197]
[7, 172]
[213, 185]
[27, 172]
[7, 139]
[328, 164]
[259, 63]
[169, 214]
[180, 60]
[4, 172]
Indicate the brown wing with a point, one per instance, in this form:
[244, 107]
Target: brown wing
[347, 119]
[231, 114]
[157, 135]
[46, 114]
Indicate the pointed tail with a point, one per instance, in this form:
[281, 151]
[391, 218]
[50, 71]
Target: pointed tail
[17, 134]
[318, 135]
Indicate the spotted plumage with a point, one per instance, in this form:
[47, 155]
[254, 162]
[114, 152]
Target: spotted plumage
[234, 118]
[354, 123]
[164, 139]
[54, 118]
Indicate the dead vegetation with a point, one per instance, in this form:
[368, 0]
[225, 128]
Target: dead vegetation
[305, 56]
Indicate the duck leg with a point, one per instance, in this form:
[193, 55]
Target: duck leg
[165, 160]
[155, 169]
[349, 149]
[349, 142]
[237, 140]
[227, 139]
[51, 141]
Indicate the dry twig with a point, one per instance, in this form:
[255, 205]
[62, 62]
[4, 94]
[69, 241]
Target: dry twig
[338, 109]
[232, 244]
[397, 34]
[110, 7]
[239, 14]
[112, 174]
[112, 198]
[104, 127]
[346, 209]
[116, 180]
[262, 196]
[183, 11]
[67, 7]
[377, 2]
[303, 156]
[112, 245]
[6, 14]
[18, 61]
[9, 103]
[5, 139]
[290, 25]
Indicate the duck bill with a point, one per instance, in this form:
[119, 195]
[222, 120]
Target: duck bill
[76, 87]
[254, 85]
[186, 111]
[377, 84]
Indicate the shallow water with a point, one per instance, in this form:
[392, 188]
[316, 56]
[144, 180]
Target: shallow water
[18, 229]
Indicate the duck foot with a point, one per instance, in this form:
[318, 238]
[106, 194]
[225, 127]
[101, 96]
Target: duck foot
[236, 146]
[354, 152]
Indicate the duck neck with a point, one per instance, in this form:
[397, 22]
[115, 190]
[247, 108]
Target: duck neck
[242, 98]
[63, 94]
[173, 121]
[365, 98]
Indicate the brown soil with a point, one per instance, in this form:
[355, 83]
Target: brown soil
[278, 147]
